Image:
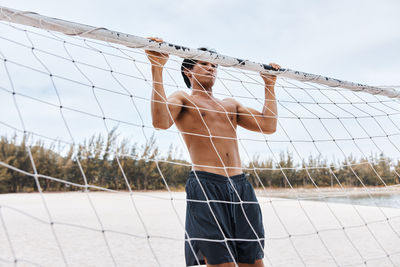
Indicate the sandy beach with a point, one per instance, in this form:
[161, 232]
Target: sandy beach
[298, 233]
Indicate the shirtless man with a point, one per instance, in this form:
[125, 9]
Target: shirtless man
[208, 127]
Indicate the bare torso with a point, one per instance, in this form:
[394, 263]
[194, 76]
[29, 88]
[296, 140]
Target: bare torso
[208, 126]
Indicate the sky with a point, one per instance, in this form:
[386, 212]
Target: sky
[351, 40]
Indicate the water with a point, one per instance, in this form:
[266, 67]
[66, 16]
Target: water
[380, 200]
[375, 199]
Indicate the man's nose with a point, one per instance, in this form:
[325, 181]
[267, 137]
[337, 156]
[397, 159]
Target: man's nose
[210, 67]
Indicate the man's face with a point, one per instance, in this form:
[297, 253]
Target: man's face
[204, 73]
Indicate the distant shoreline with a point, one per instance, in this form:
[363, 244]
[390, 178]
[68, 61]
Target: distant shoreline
[330, 191]
[273, 192]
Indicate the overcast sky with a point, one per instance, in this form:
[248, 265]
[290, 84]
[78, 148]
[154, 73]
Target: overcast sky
[353, 40]
[357, 41]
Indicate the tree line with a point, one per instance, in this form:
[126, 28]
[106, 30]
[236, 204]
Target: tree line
[143, 167]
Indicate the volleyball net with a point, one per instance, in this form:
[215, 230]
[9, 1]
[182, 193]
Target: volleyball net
[75, 105]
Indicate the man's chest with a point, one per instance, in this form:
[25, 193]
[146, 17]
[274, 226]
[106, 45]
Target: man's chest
[212, 114]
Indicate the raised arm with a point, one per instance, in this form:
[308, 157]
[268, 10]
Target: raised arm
[266, 120]
[164, 111]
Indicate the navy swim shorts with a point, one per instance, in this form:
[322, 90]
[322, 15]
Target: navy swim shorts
[208, 222]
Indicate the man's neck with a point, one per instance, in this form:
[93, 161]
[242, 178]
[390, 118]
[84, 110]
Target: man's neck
[203, 92]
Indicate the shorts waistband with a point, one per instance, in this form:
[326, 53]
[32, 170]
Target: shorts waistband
[216, 177]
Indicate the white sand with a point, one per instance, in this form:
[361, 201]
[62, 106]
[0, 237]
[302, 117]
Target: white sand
[34, 241]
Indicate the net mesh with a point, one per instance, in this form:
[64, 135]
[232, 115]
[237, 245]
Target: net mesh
[76, 117]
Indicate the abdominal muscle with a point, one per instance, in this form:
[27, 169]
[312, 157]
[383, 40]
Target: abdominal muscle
[216, 155]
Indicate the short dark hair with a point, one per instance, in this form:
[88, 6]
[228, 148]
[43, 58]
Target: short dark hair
[188, 64]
